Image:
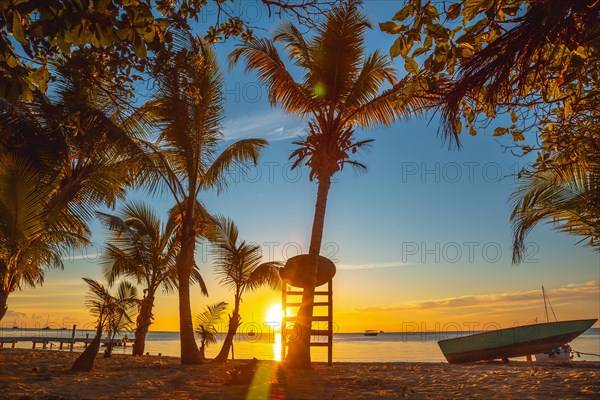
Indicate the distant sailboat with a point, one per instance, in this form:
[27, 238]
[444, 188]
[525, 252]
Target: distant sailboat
[371, 332]
[15, 325]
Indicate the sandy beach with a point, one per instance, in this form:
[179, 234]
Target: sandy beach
[28, 374]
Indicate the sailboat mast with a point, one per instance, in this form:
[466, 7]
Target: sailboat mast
[545, 305]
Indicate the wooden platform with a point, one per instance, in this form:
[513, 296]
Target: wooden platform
[49, 340]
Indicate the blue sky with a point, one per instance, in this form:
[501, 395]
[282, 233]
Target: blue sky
[424, 227]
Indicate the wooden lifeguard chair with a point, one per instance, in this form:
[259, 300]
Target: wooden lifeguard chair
[293, 280]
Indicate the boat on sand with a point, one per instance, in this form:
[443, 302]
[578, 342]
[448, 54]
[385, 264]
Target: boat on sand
[519, 341]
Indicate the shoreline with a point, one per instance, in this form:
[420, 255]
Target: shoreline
[38, 374]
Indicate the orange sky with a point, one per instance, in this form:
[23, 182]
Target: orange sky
[60, 301]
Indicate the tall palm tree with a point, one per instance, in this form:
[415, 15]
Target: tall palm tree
[188, 105]
[144, 250]
[111, 312]
[205, 324]
[339, 92]
[238, 265]
[63, 155]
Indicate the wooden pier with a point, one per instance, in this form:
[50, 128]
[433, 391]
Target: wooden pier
[46, 341]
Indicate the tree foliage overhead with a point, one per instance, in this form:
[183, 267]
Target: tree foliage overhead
[123, 32]
[61, 156]
[528, 68]
[501, 55]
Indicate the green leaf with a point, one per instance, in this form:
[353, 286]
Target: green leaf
[125, 34]
[474, 7]
[40, 78]
[419, 51]
[12, 61]
[464, 50]
[403, 13]
[438, 31]
[453, 11]
[388, 27]
[399, 47]
[17, 28]
[101, 5]
[500, 131]
[410, 65]
[517, 135]
[139, 47]
[106, 34]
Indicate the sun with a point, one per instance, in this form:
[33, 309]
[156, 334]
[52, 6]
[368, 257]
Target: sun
[274, 314]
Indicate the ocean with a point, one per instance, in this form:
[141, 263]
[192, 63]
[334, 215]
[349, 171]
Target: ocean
[347, 347]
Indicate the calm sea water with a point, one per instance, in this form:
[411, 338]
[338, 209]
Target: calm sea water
[348, 347]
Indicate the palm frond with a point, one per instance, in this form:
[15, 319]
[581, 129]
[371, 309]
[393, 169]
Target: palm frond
[262, 56]
[566, 197]
[238, 154]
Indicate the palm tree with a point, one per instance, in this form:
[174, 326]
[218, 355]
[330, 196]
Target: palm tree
[63, 155]
[567, 196]
[31, 238]
[238, 265]
[339, 92]
[112, 312]
[188, 105]
[144, 250]
[205, 324]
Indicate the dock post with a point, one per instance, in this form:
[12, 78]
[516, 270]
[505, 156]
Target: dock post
[13, 345]
[72, 337]
[33, 347]
[528, 357]
[60, 346]
[44, 344]
[1, 345]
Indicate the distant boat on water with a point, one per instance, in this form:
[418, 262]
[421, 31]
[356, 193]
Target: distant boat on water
[513, 342]
[371, 332]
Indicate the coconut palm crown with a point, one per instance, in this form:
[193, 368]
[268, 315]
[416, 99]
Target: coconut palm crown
[341, 89]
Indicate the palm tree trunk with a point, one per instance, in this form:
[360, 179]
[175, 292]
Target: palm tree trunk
[299, 353]
[185, 260]
[144, 320]
[85, 362]
[3, 303]
[234, 322]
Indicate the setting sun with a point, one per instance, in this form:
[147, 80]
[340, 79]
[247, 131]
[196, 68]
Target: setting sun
[275, 314]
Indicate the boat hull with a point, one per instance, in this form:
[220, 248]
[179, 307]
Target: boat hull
[512, 342]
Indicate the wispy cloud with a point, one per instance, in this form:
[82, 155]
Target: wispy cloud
[272, 125]
[355, 267]
[496, 302]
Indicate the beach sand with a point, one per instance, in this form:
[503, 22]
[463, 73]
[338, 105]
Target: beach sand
[38, 374]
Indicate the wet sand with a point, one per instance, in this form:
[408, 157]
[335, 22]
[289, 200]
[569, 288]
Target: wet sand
[38, 374]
